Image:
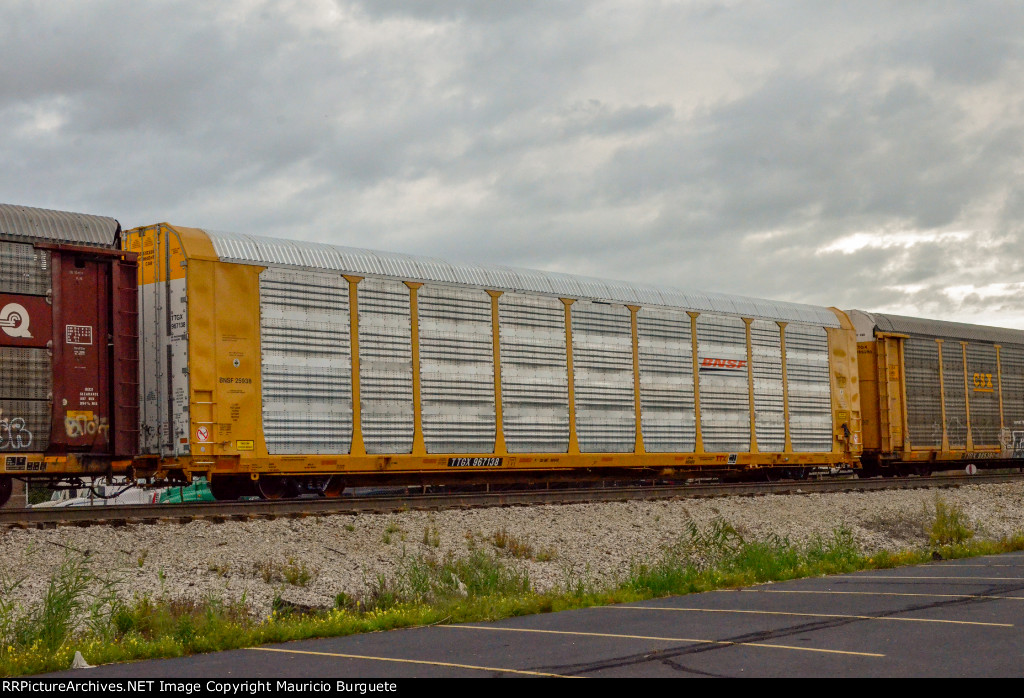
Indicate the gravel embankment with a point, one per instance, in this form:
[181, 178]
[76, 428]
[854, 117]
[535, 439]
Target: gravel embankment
[593, 541]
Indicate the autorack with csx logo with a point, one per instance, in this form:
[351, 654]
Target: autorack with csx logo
[277, 367]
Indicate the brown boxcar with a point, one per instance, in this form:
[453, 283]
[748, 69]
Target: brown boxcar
[939, 394]
[68, 346]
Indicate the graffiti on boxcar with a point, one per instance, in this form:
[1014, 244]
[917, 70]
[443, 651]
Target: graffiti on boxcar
[13, 434]
[80, 425]
[1018, 439]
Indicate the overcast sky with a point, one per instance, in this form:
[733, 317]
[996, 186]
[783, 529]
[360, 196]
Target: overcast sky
[857, 154]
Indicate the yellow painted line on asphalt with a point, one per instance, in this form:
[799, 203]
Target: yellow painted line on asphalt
[811, 615]
[415, 661]
[884, 593]
[935, 565]
[661, 639]
[861, 577]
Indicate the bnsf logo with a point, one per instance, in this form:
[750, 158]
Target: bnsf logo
[709, 364]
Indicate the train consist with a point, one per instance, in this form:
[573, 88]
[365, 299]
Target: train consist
[276, 368]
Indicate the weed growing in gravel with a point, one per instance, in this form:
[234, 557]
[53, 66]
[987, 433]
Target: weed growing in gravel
[291, 572]
[431, 537]
[515, 547]
[546, 555]
[427, 578]
[391, 529]
[950, 525]
[718, 556]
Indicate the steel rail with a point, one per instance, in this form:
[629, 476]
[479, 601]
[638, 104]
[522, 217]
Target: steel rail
[120, 515]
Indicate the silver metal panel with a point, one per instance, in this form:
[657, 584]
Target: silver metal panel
[810, 388]
[22, 223]
[983, 384]
[456, 369]
[25, 373]
[1011, 362]
[665, 348]
[24, 425]
[724, 390]
[602, 351]
[924, 398]
[953, 386]
[165, 421]
[385, 366]
[769, 404]
[25, 269]
[307, 365]
[26, 399]
[250, 249]
[958, 331]
[534, 374]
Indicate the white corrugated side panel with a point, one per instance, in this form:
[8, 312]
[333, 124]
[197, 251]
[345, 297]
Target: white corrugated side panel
[953, 388]
[602, 351]
[25, 269]
[724, 391]
[810, 388]
[307, 368]
[769, 412]
[983, 379]
[534, 374]
[1011, 360]
[26, 394]
[456, 369]
[666, 381]
[924, 399]
[385, 366]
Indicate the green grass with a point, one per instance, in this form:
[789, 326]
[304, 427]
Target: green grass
[82, 610]
[949, 526]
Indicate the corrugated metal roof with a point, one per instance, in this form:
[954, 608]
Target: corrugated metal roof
[25, 224]
[251, 249]
[958, 331]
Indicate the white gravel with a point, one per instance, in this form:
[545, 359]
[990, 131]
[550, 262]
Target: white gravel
[594, 542]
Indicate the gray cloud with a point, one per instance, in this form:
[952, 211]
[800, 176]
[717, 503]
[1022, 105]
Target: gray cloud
[731, 146]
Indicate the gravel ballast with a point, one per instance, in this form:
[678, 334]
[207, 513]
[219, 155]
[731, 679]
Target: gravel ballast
[596, 543]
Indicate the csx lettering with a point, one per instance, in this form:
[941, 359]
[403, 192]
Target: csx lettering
[982, 380]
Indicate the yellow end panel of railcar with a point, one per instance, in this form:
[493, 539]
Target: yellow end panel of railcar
[867, 366]
[847, 435]
[224, 362]
[889, 371]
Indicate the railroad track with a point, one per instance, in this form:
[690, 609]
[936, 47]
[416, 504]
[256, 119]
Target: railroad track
[243, 511]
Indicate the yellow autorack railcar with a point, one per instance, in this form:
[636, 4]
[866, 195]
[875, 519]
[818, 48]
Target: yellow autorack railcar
[276, 366]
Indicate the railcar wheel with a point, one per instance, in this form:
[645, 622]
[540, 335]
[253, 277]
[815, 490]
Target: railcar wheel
[334, 487]
[275, 487]
[6, 487]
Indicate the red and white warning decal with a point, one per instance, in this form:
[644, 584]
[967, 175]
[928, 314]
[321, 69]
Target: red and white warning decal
[203, 434]
[78, 334]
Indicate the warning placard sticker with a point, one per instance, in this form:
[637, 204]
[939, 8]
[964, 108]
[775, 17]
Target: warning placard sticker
[78, 334]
